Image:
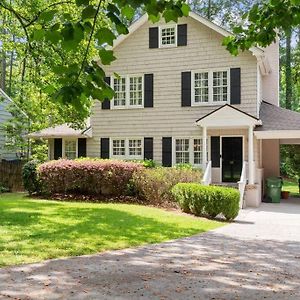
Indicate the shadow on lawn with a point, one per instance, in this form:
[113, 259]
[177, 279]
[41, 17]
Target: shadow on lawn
[49, 230]
[208, 266]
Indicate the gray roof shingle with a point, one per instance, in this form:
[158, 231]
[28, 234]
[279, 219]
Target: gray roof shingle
[277, 118]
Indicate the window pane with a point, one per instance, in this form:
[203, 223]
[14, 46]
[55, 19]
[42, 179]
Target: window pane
[70, 149]
[118, 147]
[220, 86]
[120, 91]
[168, 36]
[136, 90]
[198, 151]
[182, 153]
[135, 147]
[201, 87]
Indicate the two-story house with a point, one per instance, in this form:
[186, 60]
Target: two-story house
[181, 97]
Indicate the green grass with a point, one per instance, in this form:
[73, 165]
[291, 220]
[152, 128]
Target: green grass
[33, 230]
[291, 186]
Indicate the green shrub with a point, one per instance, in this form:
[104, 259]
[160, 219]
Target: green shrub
[184, 166]
[207, 200]
[3, 188]
[154, 185]
[30, 177]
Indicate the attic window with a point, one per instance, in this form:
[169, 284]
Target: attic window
[168, 36]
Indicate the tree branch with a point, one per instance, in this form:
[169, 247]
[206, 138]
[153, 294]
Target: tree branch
[89, 42]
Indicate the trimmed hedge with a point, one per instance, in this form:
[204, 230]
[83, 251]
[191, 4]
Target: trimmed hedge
[87, 177]
[154, 185]
[207, 200]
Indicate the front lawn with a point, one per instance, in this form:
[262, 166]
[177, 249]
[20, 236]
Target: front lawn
[33, 230]
[291, 186]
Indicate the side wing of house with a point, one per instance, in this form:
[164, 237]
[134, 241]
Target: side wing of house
[4, 117]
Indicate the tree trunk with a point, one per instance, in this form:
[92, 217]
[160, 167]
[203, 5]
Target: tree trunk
[288, 71]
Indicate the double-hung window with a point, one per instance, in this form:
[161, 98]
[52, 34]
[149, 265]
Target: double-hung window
[210, 87]
[168, 36]
[70, 149]
[127, 148]
[129, 91]
[188, 150]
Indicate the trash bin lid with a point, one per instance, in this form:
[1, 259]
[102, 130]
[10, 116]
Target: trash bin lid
[274, 181]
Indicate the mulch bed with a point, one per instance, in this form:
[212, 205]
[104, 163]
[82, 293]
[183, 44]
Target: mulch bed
[107, 199]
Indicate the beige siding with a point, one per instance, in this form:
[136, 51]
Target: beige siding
[167, 117]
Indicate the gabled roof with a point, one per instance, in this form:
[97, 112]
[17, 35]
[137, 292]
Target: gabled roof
[227, 116]
[277, 118]
[141, 21]
[60, 131]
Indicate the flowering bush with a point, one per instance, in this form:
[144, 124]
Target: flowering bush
[154, 185]
[95, 177]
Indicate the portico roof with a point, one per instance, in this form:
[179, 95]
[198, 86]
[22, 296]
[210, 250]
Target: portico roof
[61, 131]
[228, 116]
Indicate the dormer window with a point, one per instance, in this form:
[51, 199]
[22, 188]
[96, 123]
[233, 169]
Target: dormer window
[168, 36]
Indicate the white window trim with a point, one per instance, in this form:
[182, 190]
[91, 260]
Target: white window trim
[210, 87]
[160, 45]
[127, 92]
[126, 156]
[191, 152]
[64, 148]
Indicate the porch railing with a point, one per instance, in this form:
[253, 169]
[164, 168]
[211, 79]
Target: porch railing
[207, 175]
[243, 182]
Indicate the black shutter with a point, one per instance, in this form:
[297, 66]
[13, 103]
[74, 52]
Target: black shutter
[148, 90]
[215, 151]
[153, 37]
[182, 35]
[148, 148]
[57, 148]
[186, 88]
[104, 148]
[81, 147]
[167, 151]
[106, 102]
[235, 86]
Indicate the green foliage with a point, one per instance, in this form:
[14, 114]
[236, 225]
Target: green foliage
[184, 166]
[149, 163]
[290, 161]
[30, 177]
[262, 23]
[3, 188]
[154, 185]
[207, 200]
[59, 41]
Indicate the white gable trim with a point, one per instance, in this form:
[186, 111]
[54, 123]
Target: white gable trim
[141, 21]
[228, 117]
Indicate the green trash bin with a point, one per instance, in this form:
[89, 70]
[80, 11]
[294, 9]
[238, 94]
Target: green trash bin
[274, 185]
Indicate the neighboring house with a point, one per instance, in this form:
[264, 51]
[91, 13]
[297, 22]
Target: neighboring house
[5, 116]
[182, 98]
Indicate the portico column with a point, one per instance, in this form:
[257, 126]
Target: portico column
[204, 138]
[251, 155]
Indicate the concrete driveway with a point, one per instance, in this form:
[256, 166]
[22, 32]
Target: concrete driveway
[258, 257]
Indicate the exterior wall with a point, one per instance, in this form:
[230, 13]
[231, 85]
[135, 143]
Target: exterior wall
[167, 117]
[270, 83]
[51, 149]
[4, 117]
[271, 158]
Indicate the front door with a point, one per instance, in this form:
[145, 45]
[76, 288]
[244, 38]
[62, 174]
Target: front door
[232, 158]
